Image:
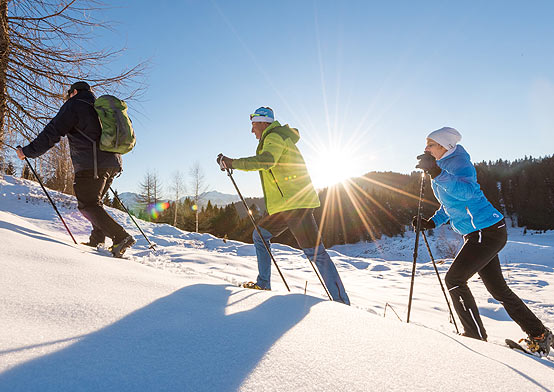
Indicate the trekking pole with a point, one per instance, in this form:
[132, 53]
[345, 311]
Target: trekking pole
[440, 281]
[152, 246]
[320, 280]
[49, 198]
[7, 145]
[418, 227]
[230, 174]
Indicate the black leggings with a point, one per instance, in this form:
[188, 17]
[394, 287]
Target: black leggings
[479, 254]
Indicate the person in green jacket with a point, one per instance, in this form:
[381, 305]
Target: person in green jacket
[290, 199]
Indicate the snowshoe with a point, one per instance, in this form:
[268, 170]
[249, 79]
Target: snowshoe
[253, 285]
[120, 248]
[540, 344]
[518, 347]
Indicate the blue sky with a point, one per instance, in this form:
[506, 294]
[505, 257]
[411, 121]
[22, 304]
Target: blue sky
[363, 81]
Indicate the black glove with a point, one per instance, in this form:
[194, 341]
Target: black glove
[428, 164]
[426, 224]
[224, 162]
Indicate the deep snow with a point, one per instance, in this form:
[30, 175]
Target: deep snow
[73, 319]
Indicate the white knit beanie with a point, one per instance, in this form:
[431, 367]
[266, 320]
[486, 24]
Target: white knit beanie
[446, 137]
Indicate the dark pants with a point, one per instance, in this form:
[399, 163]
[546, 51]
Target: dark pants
[479, 254]
[90, 192]
[302, 224]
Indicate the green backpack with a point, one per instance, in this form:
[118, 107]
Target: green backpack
[117, 129]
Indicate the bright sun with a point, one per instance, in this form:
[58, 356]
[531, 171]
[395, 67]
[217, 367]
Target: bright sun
[334, 164]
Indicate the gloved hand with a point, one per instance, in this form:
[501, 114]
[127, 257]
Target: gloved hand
[426, 224]
[428, 164]
[224, 162]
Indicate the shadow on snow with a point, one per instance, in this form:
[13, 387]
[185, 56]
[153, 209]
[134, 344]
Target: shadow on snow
[184, 341]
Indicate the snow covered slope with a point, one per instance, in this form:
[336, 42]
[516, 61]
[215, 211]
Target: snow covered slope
[73, 319]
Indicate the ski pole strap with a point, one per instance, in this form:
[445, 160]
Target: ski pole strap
[223, 166]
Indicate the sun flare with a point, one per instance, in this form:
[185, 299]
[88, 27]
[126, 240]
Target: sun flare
[334, 164]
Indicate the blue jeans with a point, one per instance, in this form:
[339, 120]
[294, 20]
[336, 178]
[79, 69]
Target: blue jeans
[304, 228]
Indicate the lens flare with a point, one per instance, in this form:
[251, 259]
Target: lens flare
[194, 207]
[155, 209]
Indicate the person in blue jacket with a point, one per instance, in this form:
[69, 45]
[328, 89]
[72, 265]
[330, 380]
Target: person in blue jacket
[463, 204]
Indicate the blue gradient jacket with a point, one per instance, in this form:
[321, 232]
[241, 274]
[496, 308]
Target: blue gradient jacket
[462, 200]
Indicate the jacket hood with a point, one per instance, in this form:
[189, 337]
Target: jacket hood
[284, 131]
[459, 151]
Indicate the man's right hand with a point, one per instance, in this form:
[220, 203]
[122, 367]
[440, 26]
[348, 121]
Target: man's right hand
[224, 162]
[20, 154]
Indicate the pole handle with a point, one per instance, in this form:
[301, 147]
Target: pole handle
[223, 165]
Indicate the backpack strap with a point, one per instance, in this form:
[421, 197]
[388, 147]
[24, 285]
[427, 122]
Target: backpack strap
[94, 153]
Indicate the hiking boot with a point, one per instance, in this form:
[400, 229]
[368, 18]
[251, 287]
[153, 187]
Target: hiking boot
[540, 344]
[120, 248]
[252, 285]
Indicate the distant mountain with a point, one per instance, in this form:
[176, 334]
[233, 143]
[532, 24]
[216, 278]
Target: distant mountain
[217, 198]
[129, 199]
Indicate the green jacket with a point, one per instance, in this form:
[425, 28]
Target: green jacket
[285, 179]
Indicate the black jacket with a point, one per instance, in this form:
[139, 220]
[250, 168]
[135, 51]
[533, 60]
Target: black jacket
[77, 113]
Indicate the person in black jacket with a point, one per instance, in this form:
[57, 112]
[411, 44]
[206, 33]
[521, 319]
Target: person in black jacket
[94, 169]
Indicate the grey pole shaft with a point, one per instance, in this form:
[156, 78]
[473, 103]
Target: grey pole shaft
[152, 246]
[440, 281]
[321, 280]
[418, 228]
[51, 201]
[255, 225]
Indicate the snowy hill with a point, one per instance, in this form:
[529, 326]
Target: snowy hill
[74, 319]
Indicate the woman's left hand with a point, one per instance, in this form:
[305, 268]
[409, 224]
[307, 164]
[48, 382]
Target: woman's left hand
[428, 164]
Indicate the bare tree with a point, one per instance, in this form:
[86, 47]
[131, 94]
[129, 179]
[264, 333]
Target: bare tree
[145, 196]
[45, 45]
[150, 189]
[198, 186]
[178, 187]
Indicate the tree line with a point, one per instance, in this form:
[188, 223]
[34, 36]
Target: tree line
[382, 204]
[522, 189]
[360, 209]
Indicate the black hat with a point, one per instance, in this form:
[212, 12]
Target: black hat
[80, 86]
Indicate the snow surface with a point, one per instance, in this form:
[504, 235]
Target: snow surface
[72, 319]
